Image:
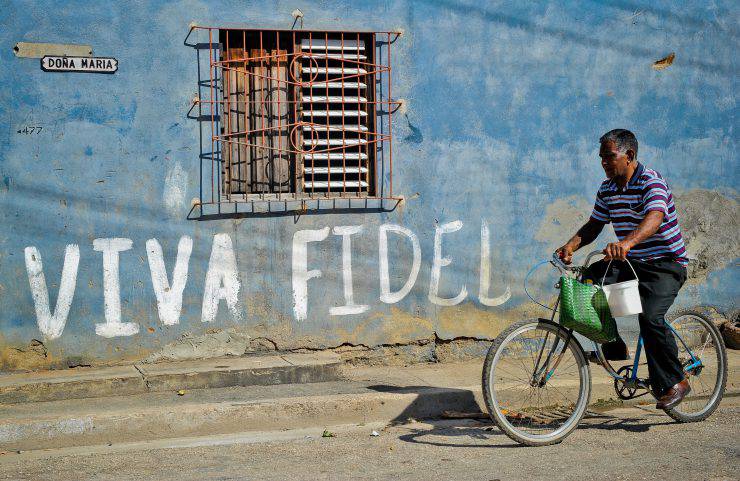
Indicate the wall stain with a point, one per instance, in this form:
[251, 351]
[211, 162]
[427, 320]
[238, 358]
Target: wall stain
[415, 136]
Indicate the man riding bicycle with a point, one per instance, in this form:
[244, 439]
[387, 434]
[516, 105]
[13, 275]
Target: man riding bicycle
[639, 204]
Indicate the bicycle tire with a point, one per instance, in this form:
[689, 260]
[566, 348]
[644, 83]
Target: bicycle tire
[717, 394]
[584, 394]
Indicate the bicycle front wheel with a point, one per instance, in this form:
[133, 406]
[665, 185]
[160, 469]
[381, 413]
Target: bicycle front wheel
[704, 359]
[536, 382]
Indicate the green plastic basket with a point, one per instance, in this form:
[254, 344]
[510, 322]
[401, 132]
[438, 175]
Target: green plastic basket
[583, 308]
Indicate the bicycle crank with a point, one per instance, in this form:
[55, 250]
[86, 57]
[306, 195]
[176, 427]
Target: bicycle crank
[626, 387]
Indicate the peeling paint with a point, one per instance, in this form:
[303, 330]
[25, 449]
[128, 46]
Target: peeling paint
[415, 136]
[665, 62]
[711, 228]
[31, 357]
[175, 190]
[708, 220]
[213, 343]
[563, 218]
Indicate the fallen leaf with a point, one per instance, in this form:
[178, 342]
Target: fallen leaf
[327, 434]
[664, 62]
[181, 392]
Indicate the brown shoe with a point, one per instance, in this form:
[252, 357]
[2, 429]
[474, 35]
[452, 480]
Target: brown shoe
[674, 395]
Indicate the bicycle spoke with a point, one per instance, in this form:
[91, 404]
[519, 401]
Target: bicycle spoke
[537, 410]
[706, 385]
[701, 354]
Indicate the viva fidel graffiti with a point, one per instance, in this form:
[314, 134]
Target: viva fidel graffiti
[222, 284]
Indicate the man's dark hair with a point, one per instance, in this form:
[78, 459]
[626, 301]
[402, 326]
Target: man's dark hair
[623, 139]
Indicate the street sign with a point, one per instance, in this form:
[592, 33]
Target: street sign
[79, 64]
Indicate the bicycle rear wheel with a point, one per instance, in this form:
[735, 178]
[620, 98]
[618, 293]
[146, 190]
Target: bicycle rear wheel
[536, 382]
[694, 331]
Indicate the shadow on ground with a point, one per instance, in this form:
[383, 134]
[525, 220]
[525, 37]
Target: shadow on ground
[459, 432]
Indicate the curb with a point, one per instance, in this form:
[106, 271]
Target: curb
[83, 383]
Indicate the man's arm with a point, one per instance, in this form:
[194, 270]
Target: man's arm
[649, 226]
[585, 235]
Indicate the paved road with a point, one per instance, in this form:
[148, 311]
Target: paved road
[625, 443]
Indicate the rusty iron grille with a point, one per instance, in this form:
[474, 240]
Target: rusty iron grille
[297, 115]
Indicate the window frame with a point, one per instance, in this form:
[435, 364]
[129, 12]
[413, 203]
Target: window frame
[307, 49]
[378, 104]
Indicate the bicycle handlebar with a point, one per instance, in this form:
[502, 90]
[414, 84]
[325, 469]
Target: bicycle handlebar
[562, 266]
[559, 263]
[587, 262]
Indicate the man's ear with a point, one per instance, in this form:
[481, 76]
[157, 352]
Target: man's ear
[630, 154]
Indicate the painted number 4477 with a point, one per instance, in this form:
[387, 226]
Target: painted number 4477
[30, 130]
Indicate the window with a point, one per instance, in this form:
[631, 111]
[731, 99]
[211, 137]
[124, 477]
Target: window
[297, 115]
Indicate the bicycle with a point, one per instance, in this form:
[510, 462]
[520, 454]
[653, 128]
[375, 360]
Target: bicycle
[537, 378]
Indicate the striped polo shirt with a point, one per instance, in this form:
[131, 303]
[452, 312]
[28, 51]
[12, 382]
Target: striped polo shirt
[625, 209]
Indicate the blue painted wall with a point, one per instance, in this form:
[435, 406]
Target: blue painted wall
[505, 103]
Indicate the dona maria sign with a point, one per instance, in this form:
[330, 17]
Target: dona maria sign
[79, 64]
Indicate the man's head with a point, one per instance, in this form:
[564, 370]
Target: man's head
[618, 152]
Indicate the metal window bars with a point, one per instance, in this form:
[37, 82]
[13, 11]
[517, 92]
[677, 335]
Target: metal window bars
[296, 117]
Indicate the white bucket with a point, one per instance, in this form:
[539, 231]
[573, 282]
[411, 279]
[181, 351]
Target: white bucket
[623, 298]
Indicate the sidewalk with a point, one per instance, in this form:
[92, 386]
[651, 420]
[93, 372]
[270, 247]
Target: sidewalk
[140, 378]
[233, 395]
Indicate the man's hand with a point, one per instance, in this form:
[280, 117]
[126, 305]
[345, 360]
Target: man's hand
[617, 251]
[585, 235]
[565, 254]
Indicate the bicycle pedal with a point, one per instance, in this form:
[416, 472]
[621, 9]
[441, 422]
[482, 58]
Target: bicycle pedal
[643, 384]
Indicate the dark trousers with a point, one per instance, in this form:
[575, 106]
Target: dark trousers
[660, 281]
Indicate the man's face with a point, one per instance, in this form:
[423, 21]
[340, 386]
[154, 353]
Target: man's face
[614, 162]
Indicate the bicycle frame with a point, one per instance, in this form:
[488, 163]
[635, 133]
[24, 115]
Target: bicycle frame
[632, 378]
[695, 362]
[610, 370]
